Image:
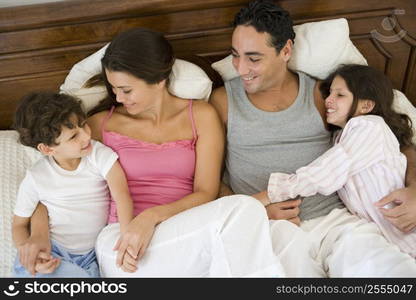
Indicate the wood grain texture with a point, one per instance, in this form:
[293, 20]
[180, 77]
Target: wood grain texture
[40, 43]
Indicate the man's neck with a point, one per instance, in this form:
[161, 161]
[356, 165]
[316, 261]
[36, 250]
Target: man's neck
[278, 97]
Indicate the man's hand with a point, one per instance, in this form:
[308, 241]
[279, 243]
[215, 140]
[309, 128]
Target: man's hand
[286, 210]
[403, 213]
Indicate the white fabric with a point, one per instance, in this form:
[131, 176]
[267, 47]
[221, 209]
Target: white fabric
[228, 237]
[364, 166]
[14, 160]
[77, 201]
[319, 48]
[187, 80]
[340, 245]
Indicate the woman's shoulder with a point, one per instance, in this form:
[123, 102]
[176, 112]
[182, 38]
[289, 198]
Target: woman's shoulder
[204, 111]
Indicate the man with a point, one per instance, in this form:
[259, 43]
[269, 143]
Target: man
[275, 121]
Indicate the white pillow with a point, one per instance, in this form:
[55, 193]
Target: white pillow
[14, 160]
[319, 48]
[187, 80]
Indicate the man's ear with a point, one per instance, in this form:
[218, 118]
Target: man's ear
[367, 106]
[45, 149]
[286, 51]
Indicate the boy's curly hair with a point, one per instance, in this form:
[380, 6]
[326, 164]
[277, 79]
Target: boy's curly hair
[40, 116]
[267, 16]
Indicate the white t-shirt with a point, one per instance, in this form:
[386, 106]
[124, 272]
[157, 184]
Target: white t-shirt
[77, 201]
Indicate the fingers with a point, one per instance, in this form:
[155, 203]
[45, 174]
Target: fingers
[394, 212]
[132, 252]
[129, 264]
[385, 200]
[117, 245]
[120, 253]
[289, 203]
[47, 266]
[277, 213]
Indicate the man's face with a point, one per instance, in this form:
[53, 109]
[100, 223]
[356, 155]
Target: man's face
[258, 63]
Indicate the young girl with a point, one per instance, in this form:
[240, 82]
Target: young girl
[365, 163]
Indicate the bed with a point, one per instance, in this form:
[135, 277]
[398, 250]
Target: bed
[41, 42]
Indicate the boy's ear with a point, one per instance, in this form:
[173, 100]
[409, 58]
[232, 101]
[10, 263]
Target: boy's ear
[45, 149]
[367, 106]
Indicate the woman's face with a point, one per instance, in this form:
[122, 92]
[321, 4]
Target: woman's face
[135, 94]
[339, 102]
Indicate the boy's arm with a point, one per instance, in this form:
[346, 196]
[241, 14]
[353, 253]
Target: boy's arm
[117, 183]
[403, 216]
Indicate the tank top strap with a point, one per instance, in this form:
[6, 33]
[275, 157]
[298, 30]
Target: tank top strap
[191, 117]
[106, 118]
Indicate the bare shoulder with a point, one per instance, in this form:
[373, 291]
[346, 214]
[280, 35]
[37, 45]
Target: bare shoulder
[219, 100]
[95, 121]
[203, 110]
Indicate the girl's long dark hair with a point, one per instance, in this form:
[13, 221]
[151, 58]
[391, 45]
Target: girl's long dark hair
[140, 52]
[367, 83]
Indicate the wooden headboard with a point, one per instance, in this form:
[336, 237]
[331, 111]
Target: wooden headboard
[40, 43]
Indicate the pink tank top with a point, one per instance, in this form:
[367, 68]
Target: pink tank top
[156, 173]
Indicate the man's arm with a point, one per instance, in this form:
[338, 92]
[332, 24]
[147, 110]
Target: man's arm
[403, 216]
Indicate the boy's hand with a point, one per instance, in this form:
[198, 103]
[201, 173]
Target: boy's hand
[46, 265]
[30, 250]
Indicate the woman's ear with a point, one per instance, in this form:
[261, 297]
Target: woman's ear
[45, 149]
[366, 106]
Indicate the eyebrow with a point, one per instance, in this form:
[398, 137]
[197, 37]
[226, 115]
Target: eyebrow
[250, 53]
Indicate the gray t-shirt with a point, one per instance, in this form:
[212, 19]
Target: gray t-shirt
[261, 142]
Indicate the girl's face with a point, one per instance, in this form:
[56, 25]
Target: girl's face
[339, 102]
[135, 94]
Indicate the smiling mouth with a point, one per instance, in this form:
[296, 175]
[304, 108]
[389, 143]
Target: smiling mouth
[329, 110]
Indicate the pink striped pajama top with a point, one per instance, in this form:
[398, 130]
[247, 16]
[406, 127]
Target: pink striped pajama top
[363, 166]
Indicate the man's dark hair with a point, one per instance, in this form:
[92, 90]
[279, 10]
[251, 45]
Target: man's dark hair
[40, 116]
[267, 16]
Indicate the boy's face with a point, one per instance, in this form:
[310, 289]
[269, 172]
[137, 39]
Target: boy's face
[72, 143]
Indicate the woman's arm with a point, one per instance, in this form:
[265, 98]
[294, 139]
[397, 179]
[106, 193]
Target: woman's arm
[31, 237]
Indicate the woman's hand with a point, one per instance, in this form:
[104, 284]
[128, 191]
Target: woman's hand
[133, 242]
[403, 213]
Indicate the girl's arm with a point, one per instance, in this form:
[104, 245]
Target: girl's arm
[403, 215]
[209, 156]
[117, 183]
[360, 147]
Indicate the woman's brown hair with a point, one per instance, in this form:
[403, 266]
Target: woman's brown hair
[140, 52]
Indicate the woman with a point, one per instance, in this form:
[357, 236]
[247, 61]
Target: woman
[171, 150]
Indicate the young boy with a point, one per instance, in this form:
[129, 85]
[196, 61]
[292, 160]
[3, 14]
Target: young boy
[72, 180]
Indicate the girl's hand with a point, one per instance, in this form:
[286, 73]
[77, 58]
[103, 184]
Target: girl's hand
[133, 243]
[403, 211]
